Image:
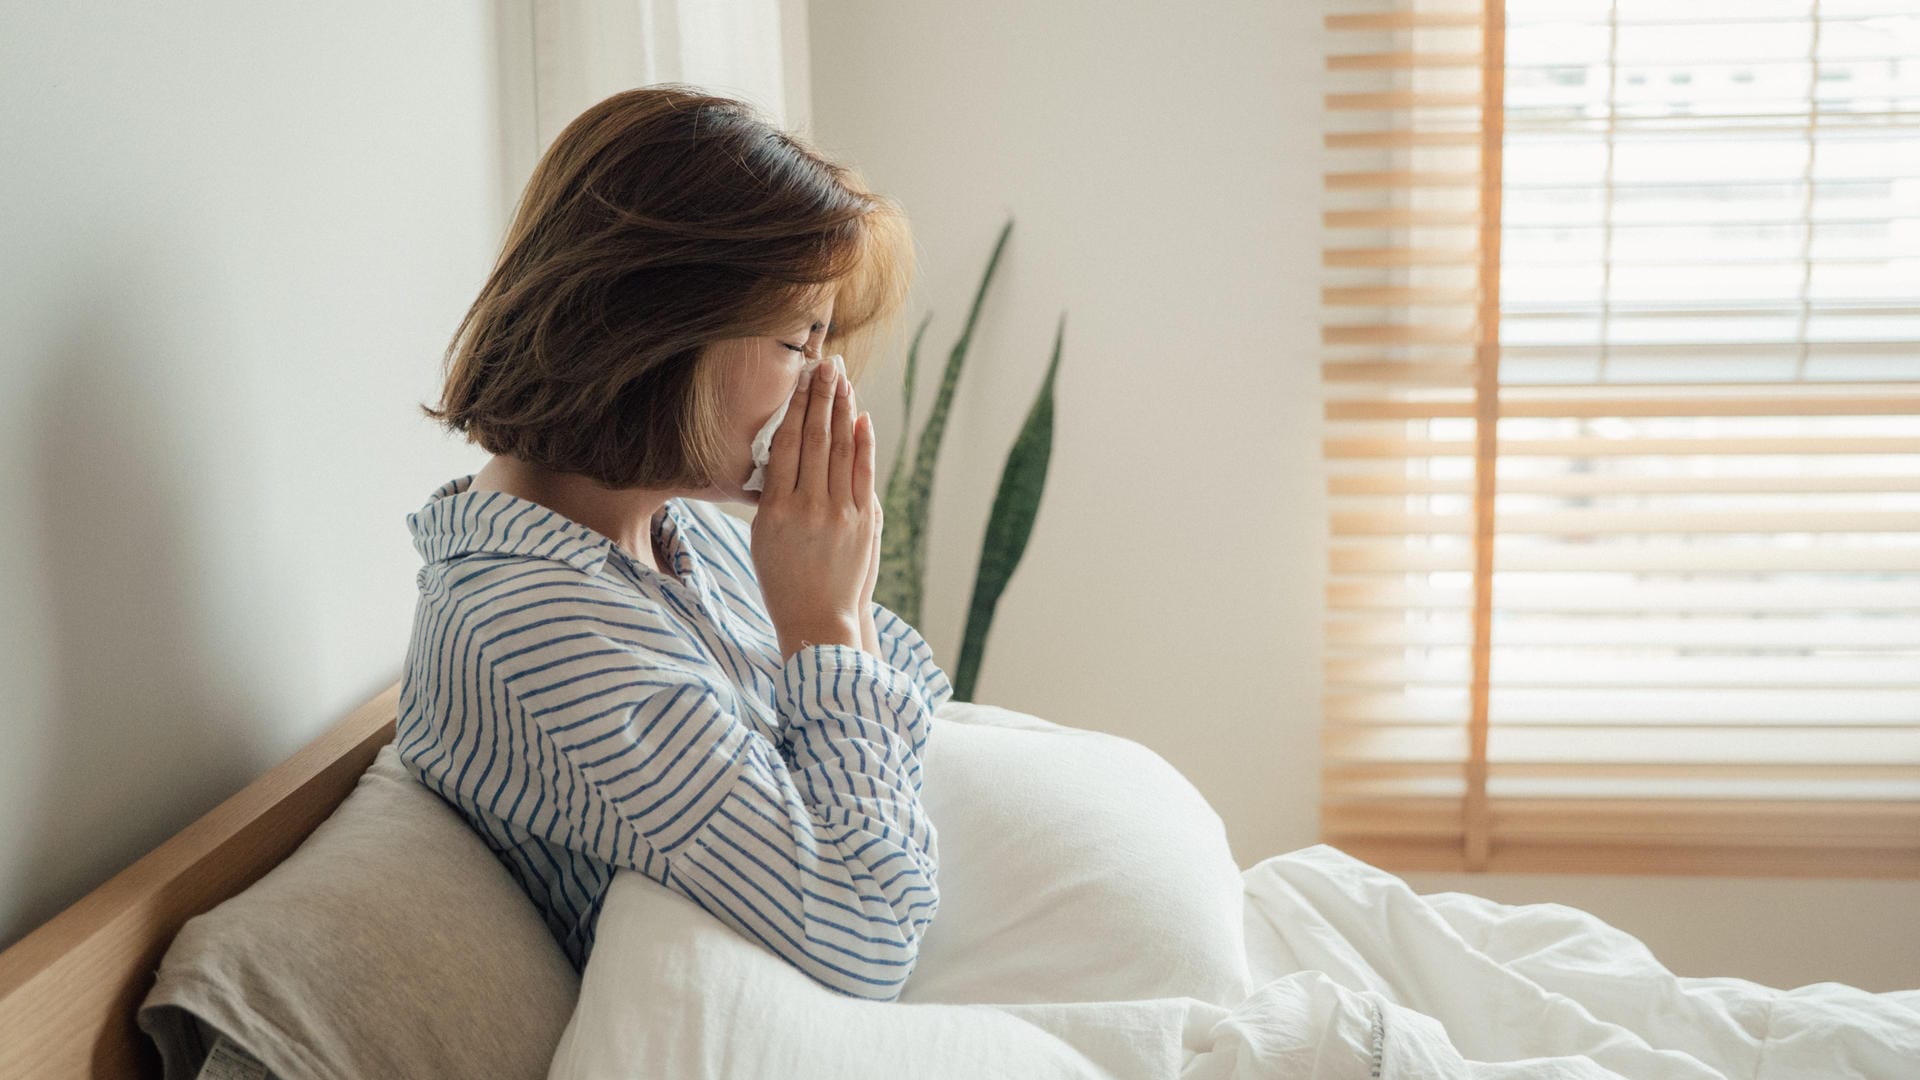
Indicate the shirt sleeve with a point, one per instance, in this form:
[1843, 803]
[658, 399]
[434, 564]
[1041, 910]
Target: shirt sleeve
[818, 848]
[902, 647]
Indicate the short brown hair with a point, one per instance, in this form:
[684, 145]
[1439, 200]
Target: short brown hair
[662, 220]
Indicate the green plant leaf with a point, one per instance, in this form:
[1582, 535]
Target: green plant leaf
[906, 398]
[906, 505]
[897, 587]
[1015, 506]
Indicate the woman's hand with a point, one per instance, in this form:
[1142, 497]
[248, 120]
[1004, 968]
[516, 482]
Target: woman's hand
[816, 534]
[869, 634]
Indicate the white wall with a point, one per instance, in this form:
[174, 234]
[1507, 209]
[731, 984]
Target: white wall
[236, 238]
[1162, 164]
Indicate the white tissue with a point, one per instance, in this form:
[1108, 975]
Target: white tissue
[763, 442]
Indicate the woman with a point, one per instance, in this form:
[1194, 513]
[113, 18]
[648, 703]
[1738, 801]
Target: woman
[607, 671]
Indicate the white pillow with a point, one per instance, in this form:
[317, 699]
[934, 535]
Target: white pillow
[671, 991]
[1075, 866]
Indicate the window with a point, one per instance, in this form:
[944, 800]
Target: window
[1621, 359]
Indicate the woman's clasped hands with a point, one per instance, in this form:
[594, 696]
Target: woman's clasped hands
[816, 533]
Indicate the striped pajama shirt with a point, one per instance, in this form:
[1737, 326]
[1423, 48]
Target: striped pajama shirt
[586, 713]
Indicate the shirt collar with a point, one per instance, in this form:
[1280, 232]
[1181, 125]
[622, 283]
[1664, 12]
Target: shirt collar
[457, 520]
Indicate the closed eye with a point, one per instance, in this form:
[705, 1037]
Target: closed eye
[802, 348]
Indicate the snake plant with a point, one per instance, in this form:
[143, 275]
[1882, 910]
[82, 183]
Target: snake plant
[1016, 503]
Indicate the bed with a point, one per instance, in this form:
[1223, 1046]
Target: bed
[336, 919]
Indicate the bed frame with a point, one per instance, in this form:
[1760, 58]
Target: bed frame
[69, 990]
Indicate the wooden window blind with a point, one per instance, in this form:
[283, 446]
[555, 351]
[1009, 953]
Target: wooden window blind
[1621, 360]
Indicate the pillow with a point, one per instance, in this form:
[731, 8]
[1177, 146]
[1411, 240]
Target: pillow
[391, 942]
[1088, 897]
[670, 991]
[1059, 844]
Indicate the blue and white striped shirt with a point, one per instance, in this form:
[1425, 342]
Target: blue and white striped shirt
[585, 713]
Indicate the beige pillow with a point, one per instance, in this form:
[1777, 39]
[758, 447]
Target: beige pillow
[392, 942]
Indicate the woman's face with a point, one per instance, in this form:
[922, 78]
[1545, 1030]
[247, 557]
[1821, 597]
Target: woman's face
[758, 374]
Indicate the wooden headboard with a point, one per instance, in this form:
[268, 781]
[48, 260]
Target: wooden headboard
[69, 990]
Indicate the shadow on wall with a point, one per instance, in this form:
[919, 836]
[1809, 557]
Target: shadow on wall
[148, 726]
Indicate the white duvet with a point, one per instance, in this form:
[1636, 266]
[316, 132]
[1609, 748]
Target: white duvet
[1361, 977]
[1094, 926]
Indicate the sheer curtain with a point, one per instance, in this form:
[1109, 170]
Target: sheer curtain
[557, 57]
